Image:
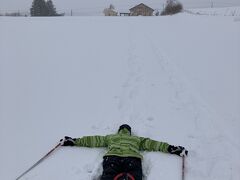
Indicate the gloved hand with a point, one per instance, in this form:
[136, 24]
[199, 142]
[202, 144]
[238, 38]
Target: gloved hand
[178, 150]
[67, 141]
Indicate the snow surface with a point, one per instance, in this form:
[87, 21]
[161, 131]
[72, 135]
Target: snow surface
[224, 11]
[173, 79]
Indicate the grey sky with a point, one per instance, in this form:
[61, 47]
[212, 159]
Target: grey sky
[98, 5]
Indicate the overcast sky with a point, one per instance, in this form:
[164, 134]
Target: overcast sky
[98, 5]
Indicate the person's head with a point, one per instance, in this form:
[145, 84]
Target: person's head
[125, 126]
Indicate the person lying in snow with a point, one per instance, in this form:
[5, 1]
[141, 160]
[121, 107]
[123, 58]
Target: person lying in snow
[123, 159]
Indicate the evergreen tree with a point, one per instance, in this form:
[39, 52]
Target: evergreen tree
[43, 8]
[50, 8]
[38, 8]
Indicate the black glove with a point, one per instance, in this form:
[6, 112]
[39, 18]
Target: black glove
[178, 150]
[67, 141]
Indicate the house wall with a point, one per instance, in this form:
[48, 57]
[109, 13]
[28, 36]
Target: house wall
[141, 10]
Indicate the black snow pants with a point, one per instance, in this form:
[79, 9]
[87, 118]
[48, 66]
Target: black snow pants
[114, 165]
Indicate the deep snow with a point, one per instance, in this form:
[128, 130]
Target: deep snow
[224, 11]
[173, 79]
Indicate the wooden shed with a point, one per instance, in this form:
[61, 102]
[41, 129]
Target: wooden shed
[141, 10]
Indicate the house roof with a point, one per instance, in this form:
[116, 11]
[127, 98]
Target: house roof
[133, 8]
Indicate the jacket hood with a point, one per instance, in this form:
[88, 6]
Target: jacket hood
[124, 131]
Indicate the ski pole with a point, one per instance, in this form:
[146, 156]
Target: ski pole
[39, 161]
[183, 167]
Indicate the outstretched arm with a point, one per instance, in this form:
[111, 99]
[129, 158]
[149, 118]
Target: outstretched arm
[148, 144]
[86, 141]
[92, 141]
[152, 145]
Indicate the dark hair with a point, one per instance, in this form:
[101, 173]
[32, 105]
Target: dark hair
[125, 126]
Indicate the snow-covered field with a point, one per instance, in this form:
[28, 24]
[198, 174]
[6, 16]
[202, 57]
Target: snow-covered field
[174, 79]
[224, 11]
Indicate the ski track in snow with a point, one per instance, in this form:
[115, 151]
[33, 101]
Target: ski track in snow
[181, 99]
[184, 100]
[136, 81]
[131, 87]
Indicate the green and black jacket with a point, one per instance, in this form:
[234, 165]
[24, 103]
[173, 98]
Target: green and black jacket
[122, 144]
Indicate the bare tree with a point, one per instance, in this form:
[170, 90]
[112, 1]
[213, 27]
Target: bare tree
[110, 11]
[172, 7]
[111, 7]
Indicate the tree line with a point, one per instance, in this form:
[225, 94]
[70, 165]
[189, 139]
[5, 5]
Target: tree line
[47, 8]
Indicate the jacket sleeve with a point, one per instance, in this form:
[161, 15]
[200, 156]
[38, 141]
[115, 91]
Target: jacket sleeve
[147, 144]
[92, 141]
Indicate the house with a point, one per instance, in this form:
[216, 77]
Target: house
[141, 10]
